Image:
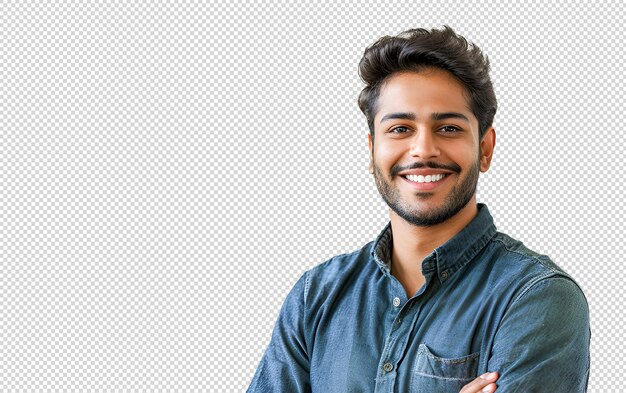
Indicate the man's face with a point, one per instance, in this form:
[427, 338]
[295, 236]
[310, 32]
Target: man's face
[426, 154]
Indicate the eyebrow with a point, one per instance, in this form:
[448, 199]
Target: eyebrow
[435, 116]
[398, 115]
[449, 115]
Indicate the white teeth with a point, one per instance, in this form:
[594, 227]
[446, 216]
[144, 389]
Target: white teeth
[425, 179]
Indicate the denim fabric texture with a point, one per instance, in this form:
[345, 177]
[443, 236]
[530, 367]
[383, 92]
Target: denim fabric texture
[488, 304]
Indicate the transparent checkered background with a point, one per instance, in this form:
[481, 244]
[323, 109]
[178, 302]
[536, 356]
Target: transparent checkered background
[169, 169]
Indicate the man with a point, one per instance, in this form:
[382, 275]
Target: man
[440, 298]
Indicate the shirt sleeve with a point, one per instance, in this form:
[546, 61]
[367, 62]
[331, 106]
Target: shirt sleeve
[285, 364]
[542, 344]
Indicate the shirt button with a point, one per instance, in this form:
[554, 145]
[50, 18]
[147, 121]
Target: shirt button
[387, 367]
[444, 274]
[396, 301]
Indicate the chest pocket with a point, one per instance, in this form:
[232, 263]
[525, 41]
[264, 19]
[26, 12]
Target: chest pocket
[434, 374]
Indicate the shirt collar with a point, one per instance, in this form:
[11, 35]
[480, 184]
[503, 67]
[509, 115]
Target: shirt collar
[451, 256]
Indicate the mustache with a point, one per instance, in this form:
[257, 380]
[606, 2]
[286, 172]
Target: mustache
[428, 164]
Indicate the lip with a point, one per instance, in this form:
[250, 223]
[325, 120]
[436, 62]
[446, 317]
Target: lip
[424, 172]
[425, 186]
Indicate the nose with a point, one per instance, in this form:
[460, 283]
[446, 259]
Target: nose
[424, 145]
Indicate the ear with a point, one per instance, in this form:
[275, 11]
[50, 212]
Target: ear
[370, 144]
[487, 145]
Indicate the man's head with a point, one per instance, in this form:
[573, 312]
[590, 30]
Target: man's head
[418, 49]
[429, 104]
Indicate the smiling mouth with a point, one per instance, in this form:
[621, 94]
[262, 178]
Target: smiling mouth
[425, 179]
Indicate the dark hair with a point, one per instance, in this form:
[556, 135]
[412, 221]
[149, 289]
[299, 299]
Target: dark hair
[418, 49]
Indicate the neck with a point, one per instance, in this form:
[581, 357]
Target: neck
[411, 244]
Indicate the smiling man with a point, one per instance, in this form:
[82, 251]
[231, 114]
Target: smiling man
[441, 298]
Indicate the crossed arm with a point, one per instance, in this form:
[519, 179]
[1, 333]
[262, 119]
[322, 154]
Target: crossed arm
[542, 345]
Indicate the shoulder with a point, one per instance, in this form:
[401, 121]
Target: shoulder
[518, 258]
[341, 269]
[529, 271]
[333, 278]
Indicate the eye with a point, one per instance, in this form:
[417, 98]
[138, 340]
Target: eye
[450, 129]
[399, 130]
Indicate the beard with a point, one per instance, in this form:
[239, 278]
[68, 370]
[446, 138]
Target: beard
[460, 195]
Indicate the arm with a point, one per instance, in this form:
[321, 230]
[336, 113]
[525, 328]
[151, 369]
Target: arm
[542, 343]
[285, 364]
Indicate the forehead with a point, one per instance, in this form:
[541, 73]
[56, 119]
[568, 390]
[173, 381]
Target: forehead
[424, 92]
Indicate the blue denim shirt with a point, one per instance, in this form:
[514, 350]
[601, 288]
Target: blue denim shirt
[488, 304]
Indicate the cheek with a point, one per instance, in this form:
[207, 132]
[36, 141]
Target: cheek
[463, 154]
[386, 155]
